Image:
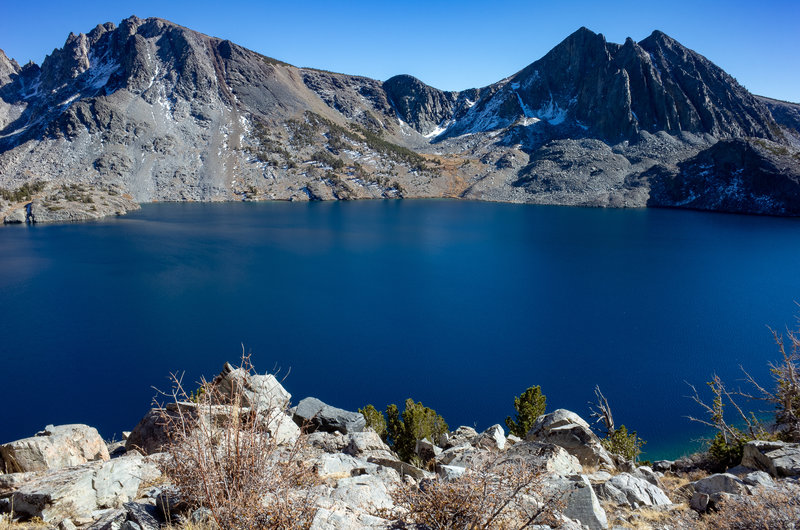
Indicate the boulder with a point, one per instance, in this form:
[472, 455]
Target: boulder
[633, 491]
[260, 392]
[739, 471]
[570, 431]
[779, 459]
[647, 473]
[365, 444]
[662, 466]
[720, 483]
[700, 502]
[78, 492]
[117, 481]
[366, 493]
[338, 516]
[464, 456]
[337, 465]
[450, 473]
[493, 438]
[314, 415]
[427, 450]
[461, 436]
[579, 500]
[54, 448]
[61, 494]
[706, 502]
[330, 442]
[281, 426]
[144, 515]
[552, 458]
[758, 478]
[151, 434]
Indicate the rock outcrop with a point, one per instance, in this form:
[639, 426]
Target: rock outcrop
[314, 415]
[568, 430]
[54, 447]
[779, 459]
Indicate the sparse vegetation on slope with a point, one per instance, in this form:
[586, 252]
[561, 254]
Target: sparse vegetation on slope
[225, 456]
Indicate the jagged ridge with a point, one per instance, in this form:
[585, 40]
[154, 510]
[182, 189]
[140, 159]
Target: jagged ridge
[160, 112]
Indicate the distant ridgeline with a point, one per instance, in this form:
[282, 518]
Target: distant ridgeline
[151, 111]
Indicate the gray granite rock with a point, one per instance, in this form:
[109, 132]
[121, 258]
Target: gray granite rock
[579, 499]
[144, 515]
[549, 457]
[449, 473]
[151, 434]
[366, 493]
[54, 447]
[260, 392]
[427, 450]
[568, 430]
[720, 483]
[78, 492]
[493, 438]
[779, 459]
[460, 437]
[758, 478]
[314, 415]
[634, 491]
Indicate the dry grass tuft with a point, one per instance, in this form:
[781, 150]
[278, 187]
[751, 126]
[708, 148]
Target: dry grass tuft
[222, 457]
[7, 522]
[493, 494]
[767, 509]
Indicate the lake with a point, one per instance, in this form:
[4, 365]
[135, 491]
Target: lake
[462, 305]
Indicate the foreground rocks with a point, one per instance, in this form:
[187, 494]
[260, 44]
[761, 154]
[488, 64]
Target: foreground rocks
[67, 477]
[77, 493]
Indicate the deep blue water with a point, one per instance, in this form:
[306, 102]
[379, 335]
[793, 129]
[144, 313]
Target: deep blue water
[462, 305]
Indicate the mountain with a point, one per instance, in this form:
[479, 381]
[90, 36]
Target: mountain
[152, 111]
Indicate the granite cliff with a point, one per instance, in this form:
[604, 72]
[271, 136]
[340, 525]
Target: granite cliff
[152, 111]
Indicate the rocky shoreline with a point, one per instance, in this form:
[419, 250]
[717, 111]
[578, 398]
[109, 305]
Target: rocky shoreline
[67, 477]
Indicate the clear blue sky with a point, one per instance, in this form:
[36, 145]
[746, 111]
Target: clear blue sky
[451, 45]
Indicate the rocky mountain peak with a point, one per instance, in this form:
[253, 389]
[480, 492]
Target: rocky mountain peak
[8, 68]
[162, 112]
[421, 106]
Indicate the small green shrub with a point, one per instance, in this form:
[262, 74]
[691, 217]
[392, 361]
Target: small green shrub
[23, 193]
[402, 431]
[625, 444]
[375, 419]
[417, 422]
[726, 453]
[530, 405]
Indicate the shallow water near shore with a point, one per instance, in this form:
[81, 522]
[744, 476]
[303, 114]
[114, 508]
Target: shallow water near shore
[461, 305]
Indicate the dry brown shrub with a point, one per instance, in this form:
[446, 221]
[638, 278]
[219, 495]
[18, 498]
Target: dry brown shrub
[7, 522]
[675, 485]
[492, 494]
[767, 508]
[222, 457]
